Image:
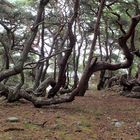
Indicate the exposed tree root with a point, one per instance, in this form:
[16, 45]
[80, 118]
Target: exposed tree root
[37, 101]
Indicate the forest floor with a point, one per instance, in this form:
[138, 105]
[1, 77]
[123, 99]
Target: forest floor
[100, 115]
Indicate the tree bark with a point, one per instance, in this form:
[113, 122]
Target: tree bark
[64, 60]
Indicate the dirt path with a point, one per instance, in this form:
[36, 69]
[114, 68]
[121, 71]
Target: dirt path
[97, 116]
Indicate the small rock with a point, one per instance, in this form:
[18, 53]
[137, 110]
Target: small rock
[108, 118]
[118, 124]
[41, 112]
[13, 119]
[138, 124]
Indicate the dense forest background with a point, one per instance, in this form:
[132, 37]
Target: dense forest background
[52, 51]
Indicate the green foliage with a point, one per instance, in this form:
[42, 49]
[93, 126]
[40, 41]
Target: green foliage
[23, 2]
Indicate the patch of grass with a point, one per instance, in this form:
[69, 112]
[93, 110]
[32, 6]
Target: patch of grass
[85, 124]
[81, 110]
[58, 115]
[63, 136]
[30, 126]
[137, 138]
[59, 125]
[6, 137]
[98, 114]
